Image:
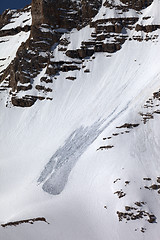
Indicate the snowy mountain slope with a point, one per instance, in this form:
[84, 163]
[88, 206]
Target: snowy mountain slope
[89, 159]
[15, 29]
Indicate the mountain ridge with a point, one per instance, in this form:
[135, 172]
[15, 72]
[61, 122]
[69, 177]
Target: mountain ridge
[99, 41]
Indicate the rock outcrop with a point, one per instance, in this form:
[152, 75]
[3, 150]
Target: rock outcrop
[65, 13]
[137, 4]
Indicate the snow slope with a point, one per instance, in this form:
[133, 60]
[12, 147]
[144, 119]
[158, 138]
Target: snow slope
[50, 163]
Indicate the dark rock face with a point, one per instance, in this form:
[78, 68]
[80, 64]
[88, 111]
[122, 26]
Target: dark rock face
[23, 102]
[30, 221]
[147, 29]
[14, 31]
[65, 13]
[4, 18]
[7, 16]
[137, 4]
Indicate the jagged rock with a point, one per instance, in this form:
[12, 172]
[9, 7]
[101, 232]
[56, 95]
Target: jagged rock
[152, 218]
[26, 101]
[136, 214]
[154, 187]
[105, 147]
[147, 28]
[24, 88]
[14, 31]
[147, 179]
[31, 221]
[80, 53]
[129, 125]
[137, 4]
[120, 194]
[42, 88]
[71, 78]
[64, 14]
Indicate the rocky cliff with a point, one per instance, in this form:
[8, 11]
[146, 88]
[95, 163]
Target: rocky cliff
[109, 24]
